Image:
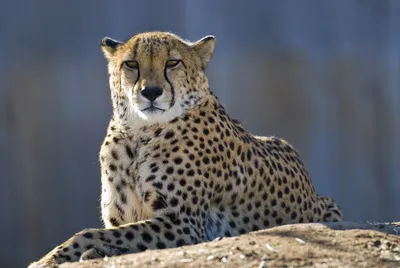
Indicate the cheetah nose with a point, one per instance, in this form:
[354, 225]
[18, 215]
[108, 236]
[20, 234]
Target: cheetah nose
[151, 93]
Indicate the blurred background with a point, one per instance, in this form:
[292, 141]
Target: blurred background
[322, 74]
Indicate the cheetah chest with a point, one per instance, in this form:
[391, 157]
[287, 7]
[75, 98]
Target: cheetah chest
[124, 197]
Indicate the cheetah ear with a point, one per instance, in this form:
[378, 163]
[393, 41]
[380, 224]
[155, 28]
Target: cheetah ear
[205, 48]
[109, 46]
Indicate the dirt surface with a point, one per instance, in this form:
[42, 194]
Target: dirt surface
[345, 244]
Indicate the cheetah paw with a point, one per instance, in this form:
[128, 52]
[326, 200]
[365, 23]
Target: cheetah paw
[102, 251]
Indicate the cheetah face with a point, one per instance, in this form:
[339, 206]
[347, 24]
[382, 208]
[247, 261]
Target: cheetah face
[157, 76]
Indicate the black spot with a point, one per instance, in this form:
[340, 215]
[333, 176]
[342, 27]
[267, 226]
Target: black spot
[146, 196]
[129, 236]
[248, 155]
[197, 183]
[190, 143]
[112, 167]
[188, 211]
[178, 160]
[169, 134]
[88, 235]
[294, 215]
[114, 221]
[155, 228]
[169, 235]
[167, 225]
[266, 212]
[264, 196]
[170, 187]
[280, 167]
[114, 154]
[141, 247]
[158, 185]
[180, 242]
[159, 203]
[129, 152]
[157, 132]
[287, 190]
[170, 170]
[272, 189]
[173, 218]
[160, 245]
[134, 227]
[228, 187]
[123, 198]
[146, 237]
[116, 234]
[174, 202]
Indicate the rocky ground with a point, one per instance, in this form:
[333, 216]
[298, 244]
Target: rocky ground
[345, 244]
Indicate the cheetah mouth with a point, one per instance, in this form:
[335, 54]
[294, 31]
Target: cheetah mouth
[152, 109]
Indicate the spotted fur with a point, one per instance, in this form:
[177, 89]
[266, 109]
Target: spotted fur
[184, 172]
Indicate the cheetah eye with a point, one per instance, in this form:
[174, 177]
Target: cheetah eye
[170, 64]
[132, 65]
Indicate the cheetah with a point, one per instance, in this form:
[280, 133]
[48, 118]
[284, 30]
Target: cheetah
[175, 168]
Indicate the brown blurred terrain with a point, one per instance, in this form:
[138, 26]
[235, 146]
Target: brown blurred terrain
[345, 244]
[324, 75]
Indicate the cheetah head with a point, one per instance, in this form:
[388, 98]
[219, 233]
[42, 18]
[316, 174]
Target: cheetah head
[156, 76]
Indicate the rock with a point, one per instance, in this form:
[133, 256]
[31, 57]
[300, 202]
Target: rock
[344, 244]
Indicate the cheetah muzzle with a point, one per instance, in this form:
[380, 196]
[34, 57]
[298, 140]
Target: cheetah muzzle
[175, 168]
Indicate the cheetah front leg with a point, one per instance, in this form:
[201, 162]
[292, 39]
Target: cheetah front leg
[165, 231]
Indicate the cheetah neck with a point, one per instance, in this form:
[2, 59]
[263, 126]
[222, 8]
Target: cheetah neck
[210, 112]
